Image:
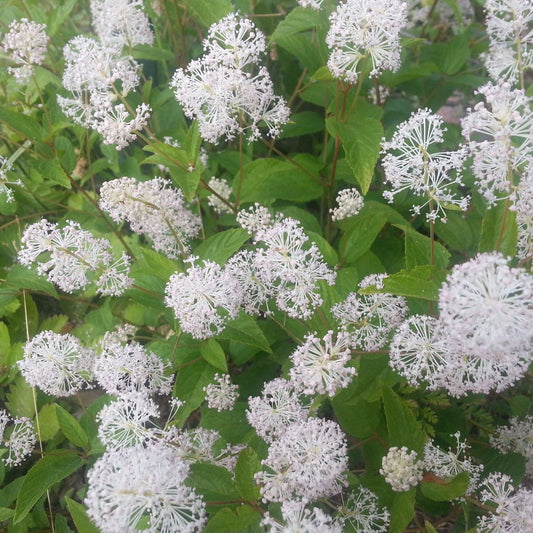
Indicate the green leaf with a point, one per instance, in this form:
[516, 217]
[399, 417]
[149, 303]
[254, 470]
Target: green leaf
[361, 139]
[23, 124]
[221, 246]
[5, 342]
[418, 250]
[357, 417]
[360, 233]
[210, 11]
[402, 510]
[247, 465]
[456, 232]
[59, 15]
[297, 33]
[230, 520]
[80, 518]
[213, 482]
[213, 353]
[48, 422]
[450, 57]
[244, 329]
[189, 386]
[180, 163]
[429, 527]
[441, 491]
[71, 428]
[151, 53]
[303, 123]
[48, 471]
[22, 277]
[6, 514]
[266, 180]
[404, 429]
[421, 282]
[499, 230]
[20, 398]
[55, 323]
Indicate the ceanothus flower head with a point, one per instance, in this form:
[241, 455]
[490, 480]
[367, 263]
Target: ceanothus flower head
[401, 468]
[365, 31]
[143, 486]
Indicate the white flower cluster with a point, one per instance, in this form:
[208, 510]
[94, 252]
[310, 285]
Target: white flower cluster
[523, 207]
[143, 487]
[349, 203]
[509, 26]
[121, 23]
[308, 461]
[320, 365]
[70, 257]
[447, 465]
[153, 208]
[223, 192]
[18, 436]
[276, 409]
[512, 506]
[370, 318]
[413, 163]
[516, 437]
[98, 74]
[222, 394]
[299, 518]
[26, 43]
[500, 139]
[56, 363]
[365, 34]
[401, 468]
[5, 167]
[362, 512]
[482, 340]
[226, 90]
[203, 298]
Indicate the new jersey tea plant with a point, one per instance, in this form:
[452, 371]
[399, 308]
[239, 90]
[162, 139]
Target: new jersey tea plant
[265, 266]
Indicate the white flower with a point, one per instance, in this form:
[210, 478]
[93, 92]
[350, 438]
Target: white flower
[203, 445]
[69, 255]
[368, 32]
[509, 28]
[128, 421]
[253, 219]
[308, 461]
[418, 351]
[153, 208]
[447, 465]
[349, 203]
[143, 487]
[298, 518]
[26, 42]
[290, 268]
[5, 167]
[58, 364]
[513, 506]
[18, 436]
[234, 41]
[203, 299]
[225, 90]
[516, 437]
[313, 4]
[523, 206]
[401, 468]
[223, 190]
[369, 318]
[118, 126]
[320, 365]
[222, 394]
[485, 308]
[120, 23]
[277, 408]
[362, 513]
[500, 137]
[123, 368]
[413, 162]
